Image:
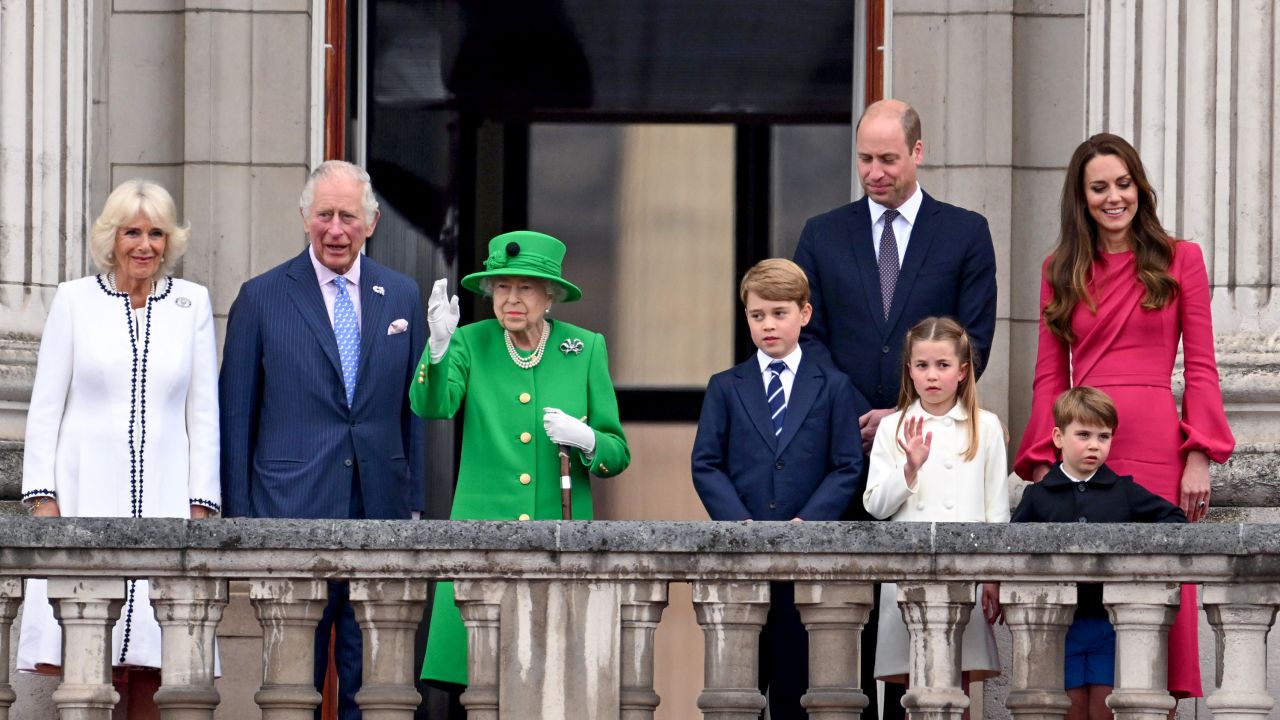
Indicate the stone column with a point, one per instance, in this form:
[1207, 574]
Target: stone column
[46, 74]
[87, 609]
[935, 613]
[389, 612]
[642, 606]
[188, 610]
[288, 611]
[731, 615]
[1241, 616]
[1038, 616]
[10, 601]
[1141, 614]
[834, 614]
[1194, 86]
[480, 603]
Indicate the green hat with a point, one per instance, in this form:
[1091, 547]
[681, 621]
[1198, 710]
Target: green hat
[524, 253]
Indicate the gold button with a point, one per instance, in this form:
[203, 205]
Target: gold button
[524, 516]
[525, 478]
[421, 381]
[525, 398]
[603, 468]
[423, 366]
[525, 438]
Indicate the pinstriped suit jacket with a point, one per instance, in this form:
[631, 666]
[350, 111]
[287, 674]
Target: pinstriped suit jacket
[290, 443]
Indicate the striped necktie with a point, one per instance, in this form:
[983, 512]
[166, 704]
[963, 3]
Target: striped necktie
[347, 332]
[777, 397]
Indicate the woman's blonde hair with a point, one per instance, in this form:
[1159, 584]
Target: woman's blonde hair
[936, 329]
[123, 205]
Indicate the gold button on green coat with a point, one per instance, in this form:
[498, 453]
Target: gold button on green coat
[526, 438]
[525, 478]
[524, 516]
[525, 398]
[478, 369]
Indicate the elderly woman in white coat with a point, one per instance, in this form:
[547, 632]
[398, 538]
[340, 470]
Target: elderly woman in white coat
[124, 411]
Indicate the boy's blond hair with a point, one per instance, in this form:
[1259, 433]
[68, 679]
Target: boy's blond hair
[776, 279]
[1087, 406]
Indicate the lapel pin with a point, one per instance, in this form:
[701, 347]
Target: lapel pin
[571, 346]
[379, 290]
[182, 302]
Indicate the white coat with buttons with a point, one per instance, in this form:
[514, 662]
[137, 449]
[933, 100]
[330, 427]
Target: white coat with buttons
[948, 488]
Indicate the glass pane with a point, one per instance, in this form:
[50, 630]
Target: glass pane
[647, 213]
[812, 173]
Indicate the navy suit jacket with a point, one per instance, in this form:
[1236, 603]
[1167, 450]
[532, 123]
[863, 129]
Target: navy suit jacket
[290, 443]
[741, 470]
[949, 270]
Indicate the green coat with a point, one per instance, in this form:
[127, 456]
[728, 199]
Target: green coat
[510, 469]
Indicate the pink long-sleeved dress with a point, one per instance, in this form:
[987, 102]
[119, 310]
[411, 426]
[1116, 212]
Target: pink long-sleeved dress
[1128, 353]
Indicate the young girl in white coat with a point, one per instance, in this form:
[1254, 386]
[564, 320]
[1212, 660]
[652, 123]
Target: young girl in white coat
[939, 458]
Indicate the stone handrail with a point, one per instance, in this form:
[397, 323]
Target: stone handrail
[562, 615]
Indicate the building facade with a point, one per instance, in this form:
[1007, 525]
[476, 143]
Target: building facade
[222, 101]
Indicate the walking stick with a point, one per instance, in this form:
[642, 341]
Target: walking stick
[566, 485]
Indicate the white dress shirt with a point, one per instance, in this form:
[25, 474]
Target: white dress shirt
[1075, 479]
[788, 376]
[902, 224]
[325, 277]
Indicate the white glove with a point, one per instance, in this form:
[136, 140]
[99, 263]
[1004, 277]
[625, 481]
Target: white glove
[568, 430]
[442, 319]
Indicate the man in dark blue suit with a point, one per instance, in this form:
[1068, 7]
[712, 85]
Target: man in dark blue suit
[878, 266]
[314, 390]
[777, 440]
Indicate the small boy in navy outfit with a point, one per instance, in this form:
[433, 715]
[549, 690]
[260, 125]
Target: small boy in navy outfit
[778, 440]
[1082, 488]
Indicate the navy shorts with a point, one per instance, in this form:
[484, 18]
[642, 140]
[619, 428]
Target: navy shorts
[1091, 653]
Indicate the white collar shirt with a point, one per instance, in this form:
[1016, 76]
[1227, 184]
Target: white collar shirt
[902, 224]
[788, 376]
[1073, 478]
[329, 291]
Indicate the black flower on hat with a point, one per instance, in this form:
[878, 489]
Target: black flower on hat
[513, 249]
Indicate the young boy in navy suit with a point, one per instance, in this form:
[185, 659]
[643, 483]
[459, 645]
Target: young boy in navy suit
[778, 440]
[1082, 488]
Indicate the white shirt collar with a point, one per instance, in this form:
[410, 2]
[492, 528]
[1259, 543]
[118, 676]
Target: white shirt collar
[792, 360]
[1073, 478]
[908, 210]
[325, 276]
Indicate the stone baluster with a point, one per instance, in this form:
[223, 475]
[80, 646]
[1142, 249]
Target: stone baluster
[731, 615]
[935, 614]
[87, 608]
[642, 606]
[1241, 616]
[834, 613]
[389, 612]
[1141, 614]
[188, 611]
[288, 610]
[1038, 615]
[480, 604]
[10, 600]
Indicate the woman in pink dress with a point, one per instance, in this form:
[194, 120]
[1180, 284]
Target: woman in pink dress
[1116, 297]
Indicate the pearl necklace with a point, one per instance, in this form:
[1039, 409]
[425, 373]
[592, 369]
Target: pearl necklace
[533, 360]
[111, 283]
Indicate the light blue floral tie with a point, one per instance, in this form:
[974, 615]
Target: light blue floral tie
[347, 331]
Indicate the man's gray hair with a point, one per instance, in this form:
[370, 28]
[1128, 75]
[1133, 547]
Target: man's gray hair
[340, 168]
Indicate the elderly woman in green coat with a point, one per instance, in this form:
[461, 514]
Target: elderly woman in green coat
[531, 384]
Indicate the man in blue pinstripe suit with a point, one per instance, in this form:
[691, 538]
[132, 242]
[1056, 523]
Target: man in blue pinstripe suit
[314, 390]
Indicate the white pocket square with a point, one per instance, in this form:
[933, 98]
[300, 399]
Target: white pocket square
[397, 326]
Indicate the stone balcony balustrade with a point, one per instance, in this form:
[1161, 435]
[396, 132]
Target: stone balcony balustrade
[561, 616]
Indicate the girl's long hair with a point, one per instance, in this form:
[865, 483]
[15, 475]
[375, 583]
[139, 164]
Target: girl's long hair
[1070, 265]
[939, 329]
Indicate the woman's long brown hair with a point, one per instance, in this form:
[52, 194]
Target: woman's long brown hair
[1071, 263]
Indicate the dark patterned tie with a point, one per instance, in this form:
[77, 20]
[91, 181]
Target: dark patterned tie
[777, 398]
[888, 261]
